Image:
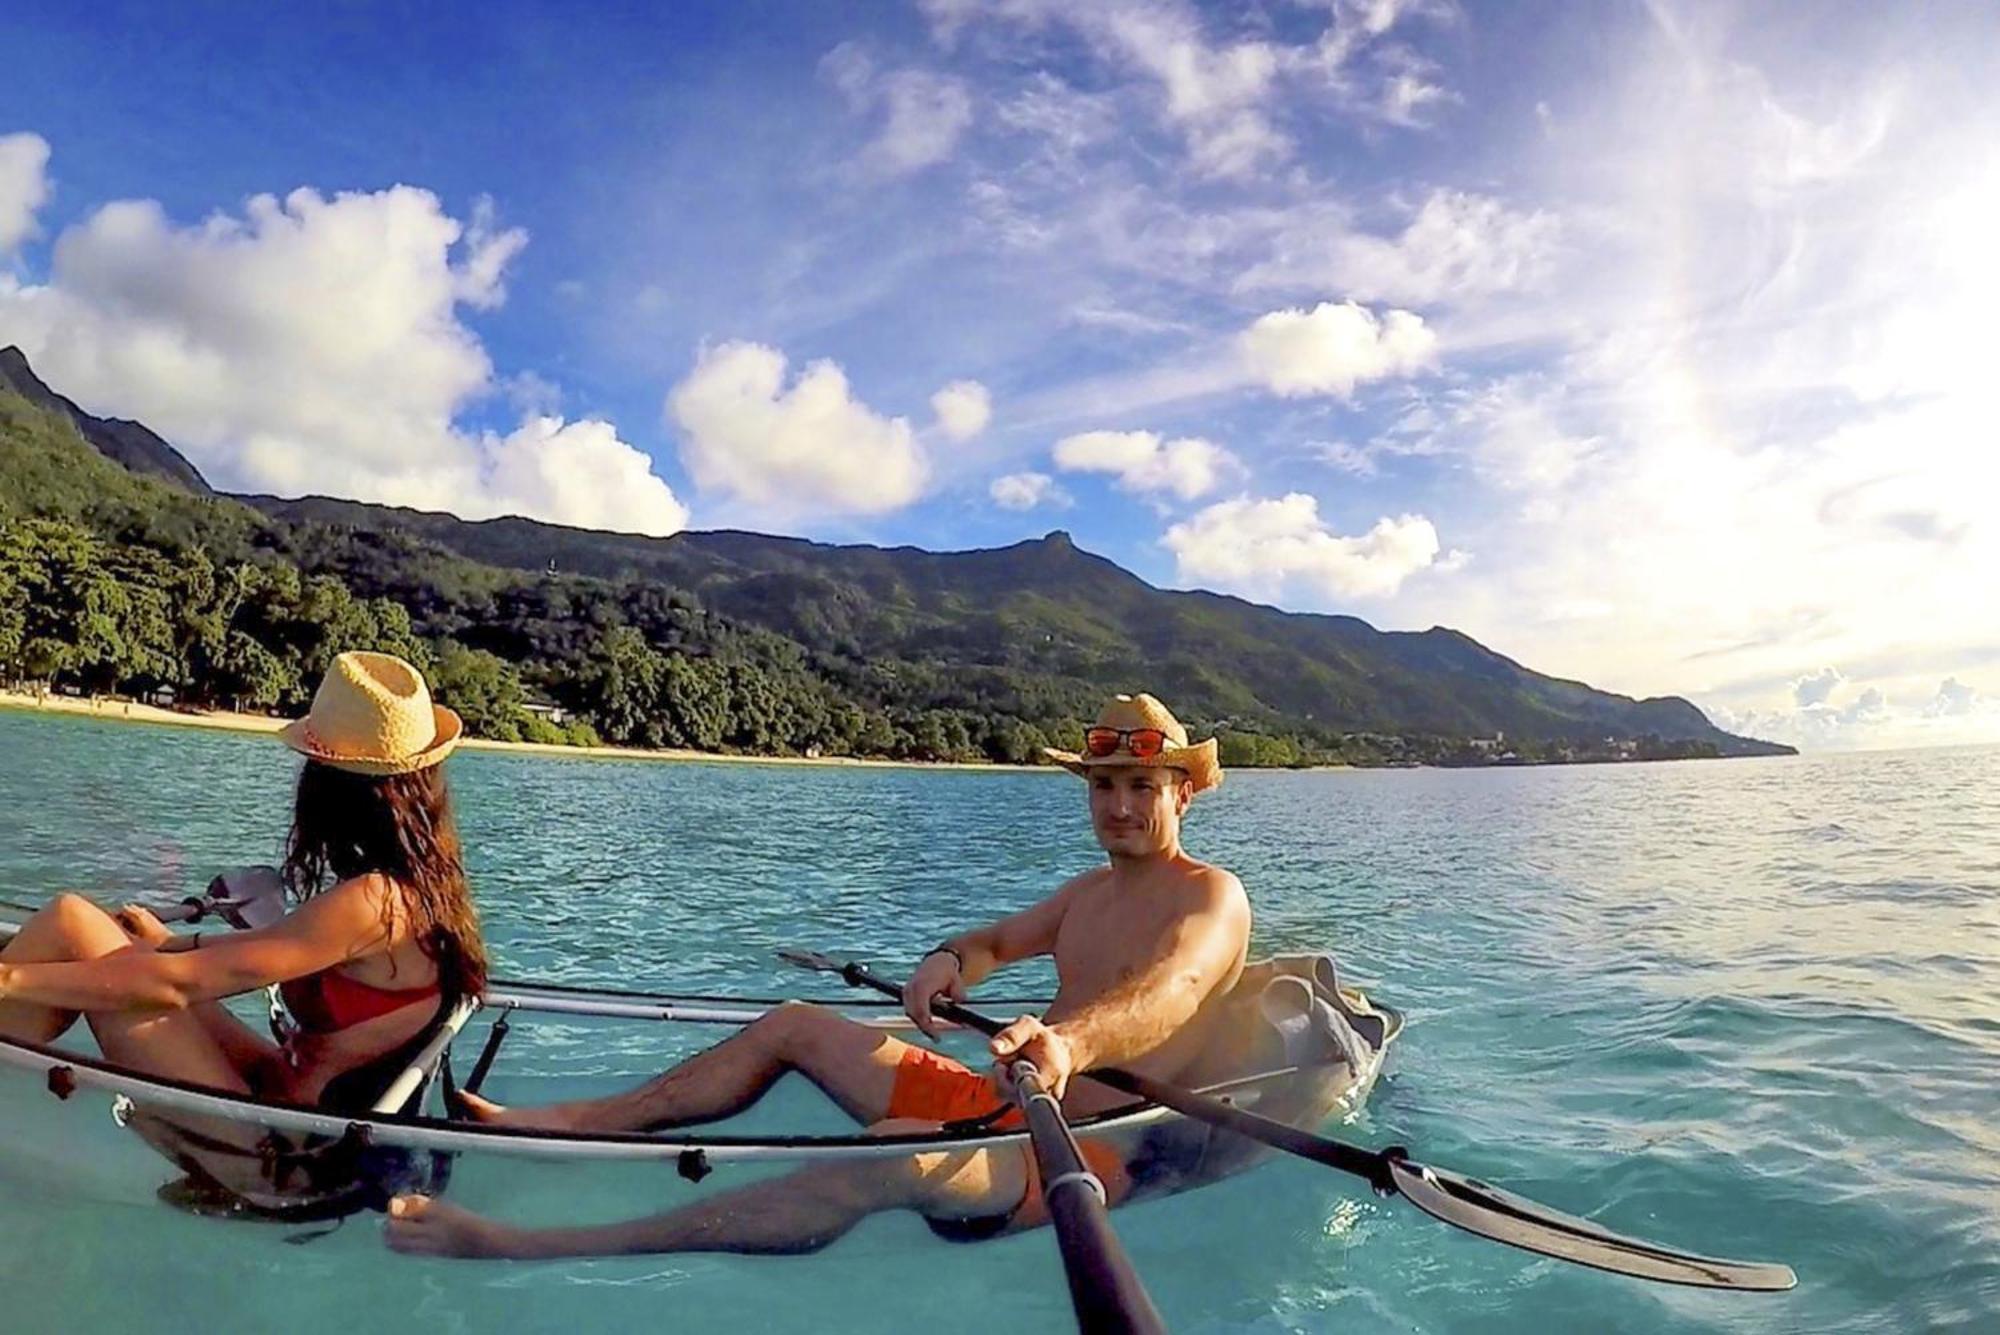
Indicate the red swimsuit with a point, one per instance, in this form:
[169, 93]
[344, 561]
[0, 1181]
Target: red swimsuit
[327, 1002]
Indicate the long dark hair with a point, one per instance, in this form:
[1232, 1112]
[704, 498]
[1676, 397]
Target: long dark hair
[399, 826]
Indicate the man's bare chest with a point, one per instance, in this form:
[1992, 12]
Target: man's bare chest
[1109, 936]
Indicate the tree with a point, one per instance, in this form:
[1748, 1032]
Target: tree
[1012, 741]
[148, 652]
[247, 673]
[484, 689]
[535, 728]
[391, 633]
[693, 706]
[72, 606]
[620, 685]
[13, 602]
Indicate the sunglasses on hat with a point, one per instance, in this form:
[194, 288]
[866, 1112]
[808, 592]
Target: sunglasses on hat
[1139, 743]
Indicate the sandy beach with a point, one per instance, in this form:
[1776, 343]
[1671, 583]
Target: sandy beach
[132, 711]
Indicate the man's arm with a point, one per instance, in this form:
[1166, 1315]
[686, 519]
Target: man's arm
[961, 961]
[1148, 1008]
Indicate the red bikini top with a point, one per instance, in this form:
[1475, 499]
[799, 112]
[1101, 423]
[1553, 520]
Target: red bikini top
[326, 1002]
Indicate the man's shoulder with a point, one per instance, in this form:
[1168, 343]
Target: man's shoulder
[1207, 887]
[1085, 881]
[1219, 880]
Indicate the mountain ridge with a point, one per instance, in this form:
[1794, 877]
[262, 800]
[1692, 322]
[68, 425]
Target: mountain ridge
[131, 444]
[1033, 629]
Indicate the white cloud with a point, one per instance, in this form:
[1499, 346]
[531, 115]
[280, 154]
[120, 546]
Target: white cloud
[1954, 699]
[1405, 96]
[1874, 719]
[1456, 247]
[1332, 348]
[1025, 491]
[1222, 98]
[24, 187]
[1267, 548]
[1356, 460]
[579, 473]
[1063, 120]
[1410, 86]
[810, 448]
[1815, 688]
[963, 409]
[1214, 95]
[489, 249]
[1142, 462]
[313, 344]
[1514, 431]
[1760, 420]
[923, 113]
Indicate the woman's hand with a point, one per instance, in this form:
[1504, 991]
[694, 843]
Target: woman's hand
[936, 976]
[140, 924]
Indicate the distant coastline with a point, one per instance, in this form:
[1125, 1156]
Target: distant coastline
[133, 711]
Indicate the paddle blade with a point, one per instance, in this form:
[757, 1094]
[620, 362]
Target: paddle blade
[1476, 1207]
[248, 897]
[810, 959]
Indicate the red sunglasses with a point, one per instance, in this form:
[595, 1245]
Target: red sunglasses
[1139, 743]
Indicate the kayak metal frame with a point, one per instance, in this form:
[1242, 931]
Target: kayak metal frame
[67, 1071]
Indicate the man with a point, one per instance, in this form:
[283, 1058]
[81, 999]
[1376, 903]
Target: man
[1146, 948]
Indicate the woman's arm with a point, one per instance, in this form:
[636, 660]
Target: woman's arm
[342, 924]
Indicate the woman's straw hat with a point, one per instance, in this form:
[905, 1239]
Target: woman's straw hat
[373, 714]
[1129, 713]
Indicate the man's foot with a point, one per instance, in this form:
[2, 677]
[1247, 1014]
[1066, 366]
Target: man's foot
[554, 1117]
[421, 1226]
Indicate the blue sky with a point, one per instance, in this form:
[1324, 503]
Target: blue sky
[1642, 342]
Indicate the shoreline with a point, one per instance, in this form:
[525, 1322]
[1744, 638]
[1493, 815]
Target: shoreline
[134, 711]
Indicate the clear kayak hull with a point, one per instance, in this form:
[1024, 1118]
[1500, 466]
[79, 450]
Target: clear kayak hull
[77, 1123]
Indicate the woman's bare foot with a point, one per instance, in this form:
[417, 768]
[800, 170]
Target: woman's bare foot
[421, 1226]
[554, 1117]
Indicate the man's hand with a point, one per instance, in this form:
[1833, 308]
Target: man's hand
[1054, 1056]
[936, 976]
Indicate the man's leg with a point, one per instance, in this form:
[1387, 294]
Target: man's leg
[801, 1212]
[854, 1064]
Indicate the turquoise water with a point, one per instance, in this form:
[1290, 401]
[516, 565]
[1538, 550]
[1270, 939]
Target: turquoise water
[1751, 1008]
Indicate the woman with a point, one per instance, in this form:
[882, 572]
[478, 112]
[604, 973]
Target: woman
[384, 938]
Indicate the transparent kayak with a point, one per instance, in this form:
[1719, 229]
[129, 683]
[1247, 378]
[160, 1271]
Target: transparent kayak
[320, 1164]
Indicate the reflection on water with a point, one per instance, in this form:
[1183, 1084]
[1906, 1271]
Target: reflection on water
[1751, 1008]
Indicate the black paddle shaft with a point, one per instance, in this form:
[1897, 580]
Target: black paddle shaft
[1104, 1288]
[1449, 1197]
[1374, 1165]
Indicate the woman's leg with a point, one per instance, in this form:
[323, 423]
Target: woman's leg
[185, 1045]
[170, 1043]
[250, 1052]
[50, 936]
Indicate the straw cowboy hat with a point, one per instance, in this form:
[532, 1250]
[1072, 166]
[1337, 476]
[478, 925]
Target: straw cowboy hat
[1138, 730]
[373, 714]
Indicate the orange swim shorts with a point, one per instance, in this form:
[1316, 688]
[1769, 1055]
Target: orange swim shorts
[932, 1087]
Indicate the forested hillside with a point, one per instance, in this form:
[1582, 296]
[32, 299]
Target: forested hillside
[127, 577]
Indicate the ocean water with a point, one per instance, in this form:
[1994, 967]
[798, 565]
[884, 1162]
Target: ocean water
[1750, 1008]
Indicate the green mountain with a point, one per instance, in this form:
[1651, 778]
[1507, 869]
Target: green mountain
[948, 651]
[127, 443]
